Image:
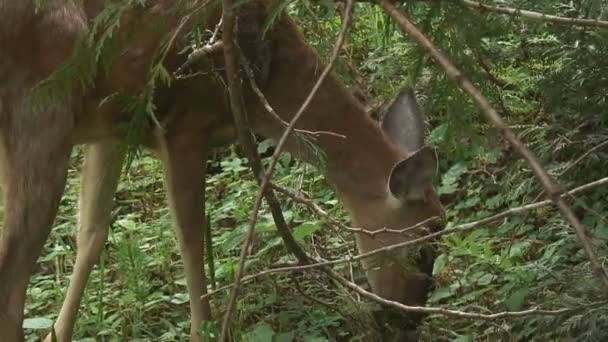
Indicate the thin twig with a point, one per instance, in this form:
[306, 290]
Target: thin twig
[535, 15]
[250, 75]
[462, 228]
[245, 137]
[280, 146]
[169, 47]
[583, 156]
[372, 233]
[196, 55]
[178, 30]
[216, 31]
[551, 187]
[421, 309]
[248, 142]
[536, 311]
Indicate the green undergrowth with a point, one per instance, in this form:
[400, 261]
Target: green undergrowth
[549, 83]
[139, 289]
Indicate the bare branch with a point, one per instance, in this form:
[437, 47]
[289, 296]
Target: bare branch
[334, 56]
[461, 314]
[197, 54]
[216, 31]
[372, 233]
[535, 15]
[551, 187]
[231, 69]
[248, 142]
[583, 156]
[462, 228]
[245, 137]
[268, 107]
[420, 309]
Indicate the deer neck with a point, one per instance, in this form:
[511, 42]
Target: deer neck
[358, 161]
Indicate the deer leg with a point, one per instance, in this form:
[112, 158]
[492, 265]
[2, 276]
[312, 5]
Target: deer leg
[184, 162]
[100, 175]
[36, 147]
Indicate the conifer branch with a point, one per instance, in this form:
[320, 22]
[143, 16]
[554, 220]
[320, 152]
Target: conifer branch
[551, 187]
[481, 7]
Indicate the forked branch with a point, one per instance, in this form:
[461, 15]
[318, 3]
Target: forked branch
[198, 54]
[459, 229]
[551, 187]
[248, 142]
[230, 55]
[324, 266]
[371, 233]
[535, 15]
[536, 311]
[250, 75]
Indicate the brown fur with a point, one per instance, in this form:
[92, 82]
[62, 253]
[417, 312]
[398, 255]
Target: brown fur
[35, 145]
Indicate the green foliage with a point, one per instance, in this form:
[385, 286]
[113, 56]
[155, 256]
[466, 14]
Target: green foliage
[549, 82]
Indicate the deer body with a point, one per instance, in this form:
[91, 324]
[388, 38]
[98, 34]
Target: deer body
[384, 180]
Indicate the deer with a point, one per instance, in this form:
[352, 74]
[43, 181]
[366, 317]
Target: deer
[383, 173]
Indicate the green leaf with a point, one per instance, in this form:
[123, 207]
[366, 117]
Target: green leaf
[463, 338]
[441, 293]
[305, 230]
[37, 323]
[494, 202]
[127, 224]
[264, 146]
[449, 182]
[516, 300]
[284, 337]
[439, 264]
[262, 333]
[438, 134]
[314, 338]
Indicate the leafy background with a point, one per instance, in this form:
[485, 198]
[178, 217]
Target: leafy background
[549, 82]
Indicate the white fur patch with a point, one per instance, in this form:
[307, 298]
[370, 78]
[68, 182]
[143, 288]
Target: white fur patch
[392, 201]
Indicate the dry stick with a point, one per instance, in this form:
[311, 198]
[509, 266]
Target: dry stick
[268, 107]
[408, 308]
[461, 314]
[248, 142]
[290, 243]
[197, 54]
[535, 15]
[372, 233]
[234, 87]
[228, 34]
[462, 228]
[583, 156]
[552, 189]
[179, 28]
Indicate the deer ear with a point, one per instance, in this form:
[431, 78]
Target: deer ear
[403, 123]
[411, 177]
